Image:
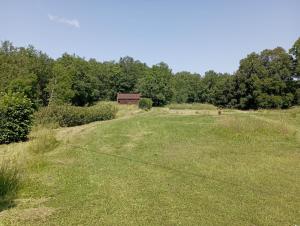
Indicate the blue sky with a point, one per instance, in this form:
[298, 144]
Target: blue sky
[186, 34]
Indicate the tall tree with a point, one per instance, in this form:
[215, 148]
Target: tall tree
[186, 87]
[25, 70]
[265, 80]
[131, 71]
[72, 83]
[157, 84]
[295, 51]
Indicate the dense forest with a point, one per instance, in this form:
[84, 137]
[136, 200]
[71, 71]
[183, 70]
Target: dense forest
[269, 79]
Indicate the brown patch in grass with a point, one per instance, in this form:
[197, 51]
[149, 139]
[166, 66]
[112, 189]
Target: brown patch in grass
[14, 216]
[31, 201]
[32, 214]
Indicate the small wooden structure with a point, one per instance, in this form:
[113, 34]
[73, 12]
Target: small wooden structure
[128, 98]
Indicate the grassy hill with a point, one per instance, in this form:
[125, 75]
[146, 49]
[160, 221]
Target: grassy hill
[179, 166]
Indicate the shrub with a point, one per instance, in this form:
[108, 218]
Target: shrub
[272, 101]
[287, 100]
[9, 181]
[15, 118]
[66, 115]
[145, 103]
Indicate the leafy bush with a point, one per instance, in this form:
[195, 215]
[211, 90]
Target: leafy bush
[66, 115]
[272, 101]
[9, 181]
[145, 103]
[15, 118]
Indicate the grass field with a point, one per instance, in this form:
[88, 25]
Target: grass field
[163, 167]
[194, 106]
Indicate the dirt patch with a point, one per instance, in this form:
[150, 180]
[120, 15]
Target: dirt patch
[26, 215]
[31, 201]
[31, 214]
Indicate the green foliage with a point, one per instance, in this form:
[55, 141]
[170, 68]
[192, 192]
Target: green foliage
[295, 51]
[297, 96]
[67, 115]
[25, 70]
[82, 82]
[15, 118]
[131, 72]
[268, 79]
[72, 82]
[265, 80]
[187, 87]
[145, 103]
[157, 85]
[217, 89]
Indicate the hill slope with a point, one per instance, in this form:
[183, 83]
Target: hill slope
[168, 168]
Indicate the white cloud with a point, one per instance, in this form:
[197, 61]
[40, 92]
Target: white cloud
[62, 20]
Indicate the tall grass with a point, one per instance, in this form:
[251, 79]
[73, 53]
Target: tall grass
[9, 181]
[255, 126]
[42, 140]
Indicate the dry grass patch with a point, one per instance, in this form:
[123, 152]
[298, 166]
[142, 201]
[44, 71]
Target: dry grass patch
[193, 112]
[194, 106]
[26, 216]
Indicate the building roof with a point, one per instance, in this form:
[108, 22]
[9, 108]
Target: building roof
[129, 96]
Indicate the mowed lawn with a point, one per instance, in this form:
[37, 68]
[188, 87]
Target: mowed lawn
[168, 168]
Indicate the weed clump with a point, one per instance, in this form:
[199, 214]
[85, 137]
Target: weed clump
[145, 104]
[9, 182]
[44, 141]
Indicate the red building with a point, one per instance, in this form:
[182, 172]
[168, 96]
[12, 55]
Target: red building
[128, 98]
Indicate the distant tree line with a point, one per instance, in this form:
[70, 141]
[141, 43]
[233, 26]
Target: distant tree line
[270, 79]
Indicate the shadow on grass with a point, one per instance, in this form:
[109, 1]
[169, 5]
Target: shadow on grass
[7, 204]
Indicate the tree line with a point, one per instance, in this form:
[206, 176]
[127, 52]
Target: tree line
[269, 79]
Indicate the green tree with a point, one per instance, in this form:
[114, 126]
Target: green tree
[278, 85]
[186, 87]
[100, 74]
[131, 71]
[113, 71]
[265, 80]
[223, 94]
[157, 84]
[72, 82]
[209, 83]
[25, 70]
[295, 52]
[247, 80]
